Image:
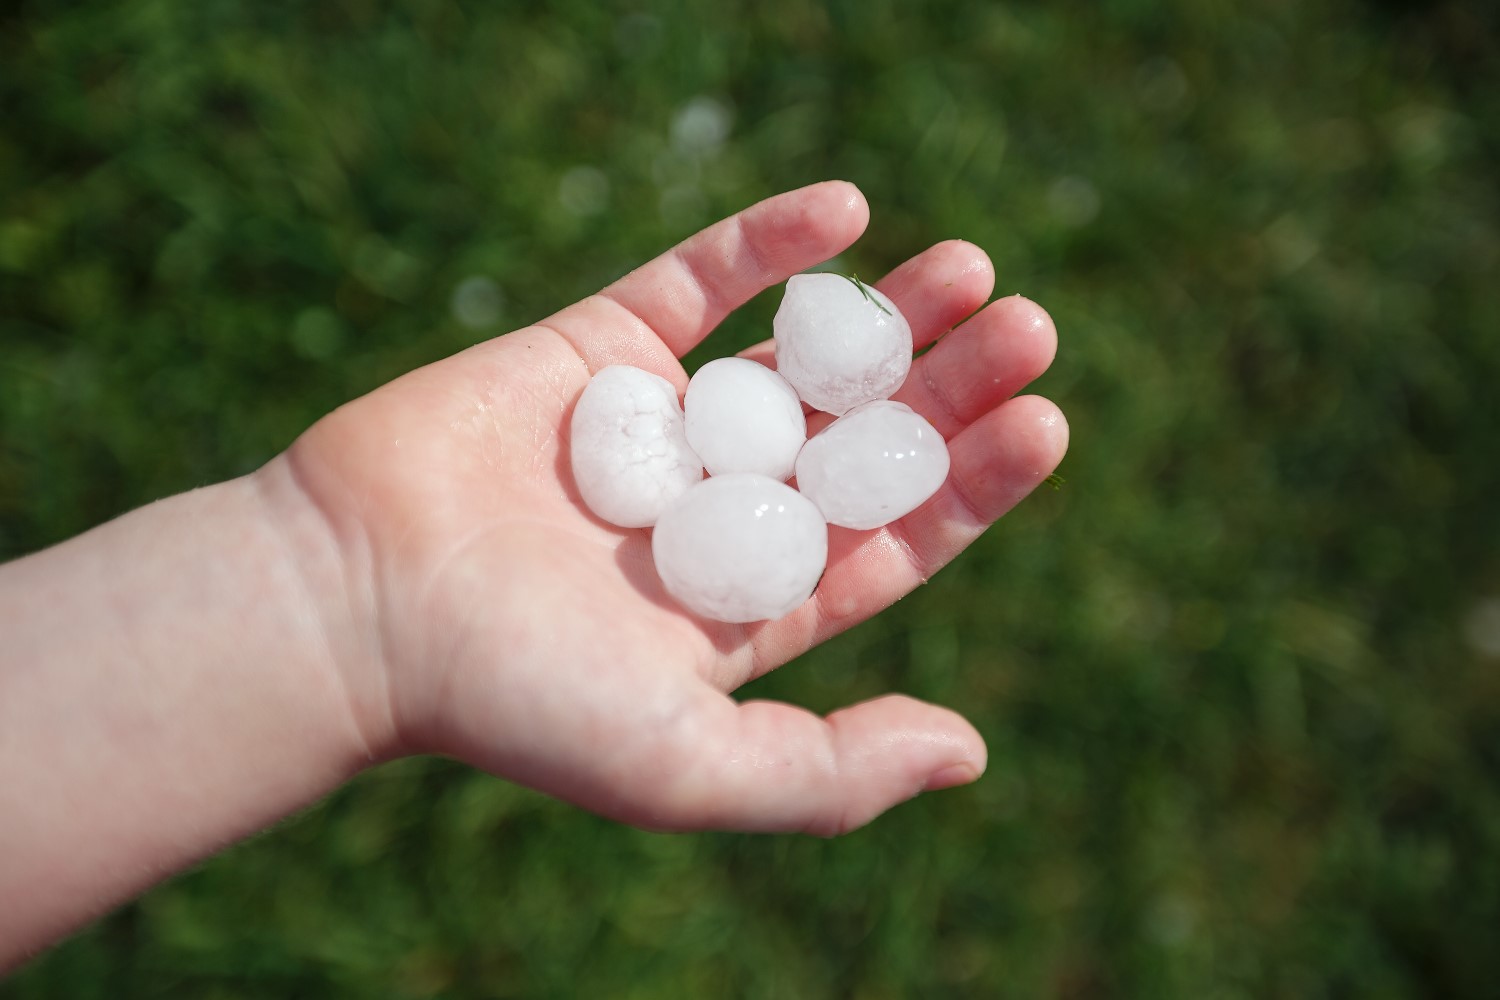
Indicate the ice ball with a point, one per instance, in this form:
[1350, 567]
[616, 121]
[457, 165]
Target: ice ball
[840, 342]
[741, 547]
[876, 463]
[631, 457]
[743, 417]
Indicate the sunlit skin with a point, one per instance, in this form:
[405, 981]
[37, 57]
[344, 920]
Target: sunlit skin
[415, 574]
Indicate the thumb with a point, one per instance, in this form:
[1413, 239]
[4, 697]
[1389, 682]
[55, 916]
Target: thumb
[774, 767]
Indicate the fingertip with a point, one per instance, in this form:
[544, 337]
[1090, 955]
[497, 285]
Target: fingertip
[853, 198]
[971, 275]
[907, 734]
[1034, 324]
[952, 776]
[1030, 306]
[974, 267]
[1049, 432]
[842, 209]
[966, 766]
[973, 755]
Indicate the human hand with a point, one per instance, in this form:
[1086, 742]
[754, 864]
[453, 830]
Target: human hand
[479, 610]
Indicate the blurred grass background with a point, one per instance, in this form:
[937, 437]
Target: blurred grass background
[1240, 677]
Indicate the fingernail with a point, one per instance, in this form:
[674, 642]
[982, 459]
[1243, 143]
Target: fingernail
[952, 776]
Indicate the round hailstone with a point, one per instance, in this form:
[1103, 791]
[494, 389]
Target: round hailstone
[878, 462]
[631, 457]
[743, 417]
[839, 342]
[741, 548]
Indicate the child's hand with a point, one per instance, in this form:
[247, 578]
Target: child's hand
[477, 609]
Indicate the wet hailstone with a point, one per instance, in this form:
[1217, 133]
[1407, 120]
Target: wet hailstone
[876, 463]
[840, 342]
[741, 547]
[744, 546]
[743, 417]
[631, 458]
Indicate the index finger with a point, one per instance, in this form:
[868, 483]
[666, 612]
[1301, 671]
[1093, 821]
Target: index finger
[683, 294]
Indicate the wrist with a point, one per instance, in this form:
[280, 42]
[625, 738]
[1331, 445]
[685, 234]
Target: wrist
[330, 605]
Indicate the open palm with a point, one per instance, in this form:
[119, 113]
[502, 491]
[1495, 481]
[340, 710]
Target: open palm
[510, 628]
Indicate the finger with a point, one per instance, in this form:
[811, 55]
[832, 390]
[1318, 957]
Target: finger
[662, 309]
[934, 290]
[774, 767]
[981, 364]
[996, 462]
[939, 287]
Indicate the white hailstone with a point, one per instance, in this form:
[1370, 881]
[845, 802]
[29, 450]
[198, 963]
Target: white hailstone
[741, 548]
[839, 342]
[631, 457]
[876, 463]
[743, 417]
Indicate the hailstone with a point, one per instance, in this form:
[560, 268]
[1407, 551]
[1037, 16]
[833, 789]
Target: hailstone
[876, 463]
[741, 547]
[743, 417]
[840, 342]
[631, 456]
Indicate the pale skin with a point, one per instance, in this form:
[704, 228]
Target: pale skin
[415, 574]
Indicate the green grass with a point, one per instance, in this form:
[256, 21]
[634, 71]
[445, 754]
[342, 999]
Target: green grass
[1243, 742]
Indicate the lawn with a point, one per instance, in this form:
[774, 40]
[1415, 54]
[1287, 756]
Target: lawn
[1239, 676]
